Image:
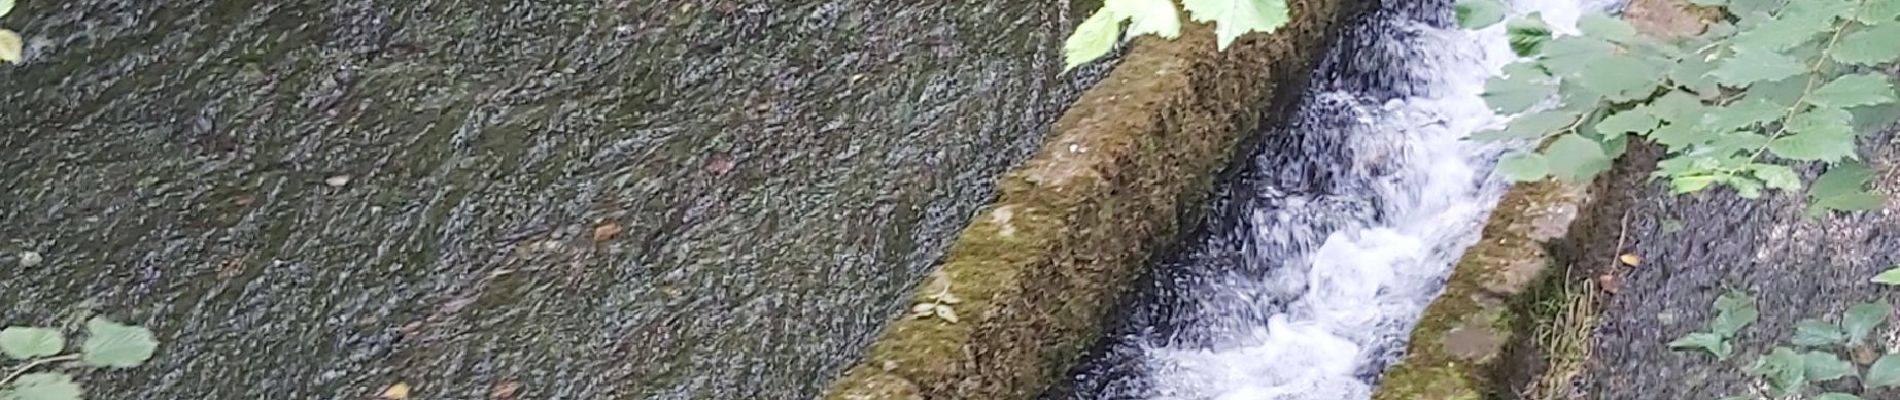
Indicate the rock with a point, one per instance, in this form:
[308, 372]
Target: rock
[30, 259]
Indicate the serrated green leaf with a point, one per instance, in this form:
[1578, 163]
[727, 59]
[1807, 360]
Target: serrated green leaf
[1783, 369]
[1477, 14]
[1707, 342]
[1876, 117]
[1861, 319]
[1620, 78]
[1570, 56]
[1534, 125]
[1889, 277]
[1843, 178]
[1746, 114]
[1823, 134]
[1836, 396]
[1884, 373]
[1744, 186]
[1575, 158]
[1817, 333]
[1677, 107]
[1523, 167]
[1527, 34]
[1091, 40]
[111, 344]
[1734, 311]
[1853, 90]
[1637, 120]
[25, 343]
[1848, 202]
[1870, 47]
[1777, 176]
[1517, 92]
[1758, 66]
[1233, 18]
[45, 386]
[1824, 366]
[1680, 184]
[1156, 17]
[1878, 12]
[1692, 73]
[1679, 135]
[1606, 27]
[1779, 34]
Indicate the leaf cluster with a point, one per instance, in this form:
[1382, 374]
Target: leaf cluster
[1231, 18]
[107, 344]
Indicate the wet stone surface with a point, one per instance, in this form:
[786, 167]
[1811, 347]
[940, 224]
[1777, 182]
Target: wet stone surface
[547, 199]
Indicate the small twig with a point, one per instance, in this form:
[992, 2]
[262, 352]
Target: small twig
[1622, 232]
[35, 363]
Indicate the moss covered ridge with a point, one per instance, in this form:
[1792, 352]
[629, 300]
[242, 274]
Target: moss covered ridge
[1037, 272]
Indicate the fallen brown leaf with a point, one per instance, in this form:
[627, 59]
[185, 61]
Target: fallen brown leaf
[1609, 282]
[398, 391]
[1630, 260]
[606, 231]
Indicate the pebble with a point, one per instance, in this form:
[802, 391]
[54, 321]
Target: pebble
[337, 181]
[30, 259]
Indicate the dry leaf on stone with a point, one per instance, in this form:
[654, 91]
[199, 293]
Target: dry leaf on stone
[398, 391]
[946, 314]
[1630, 260]
[11, 46]
[606, 231]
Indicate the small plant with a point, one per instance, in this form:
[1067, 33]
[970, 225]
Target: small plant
[1734, 311]
[108, 345]
[11, 45]
[1231, 18]
[1771, 86]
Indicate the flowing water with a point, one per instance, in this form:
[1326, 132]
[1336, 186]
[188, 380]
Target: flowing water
[1314, 265]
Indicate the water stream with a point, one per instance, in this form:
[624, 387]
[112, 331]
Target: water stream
[1314, 265]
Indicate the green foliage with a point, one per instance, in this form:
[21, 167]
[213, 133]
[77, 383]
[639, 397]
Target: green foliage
[1231, 18]
[1889, 277]
[11, 45]
[1734, 311]
[107, 344]
[1775, 86]
[1474, 14]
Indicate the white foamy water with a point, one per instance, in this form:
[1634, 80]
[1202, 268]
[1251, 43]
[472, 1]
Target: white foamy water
[1347, 286]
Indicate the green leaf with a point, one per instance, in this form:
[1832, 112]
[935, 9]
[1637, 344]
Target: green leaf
[1518, 91]
[1878, 12]
[1532, 126]
[1826, 143]
[1572, 55]
[1677, 107]
[1745, 114]
[1777, 176]
[6, 6]
[1841, 189]
[1692, 73]
[1817, 333]
[1870, 47]
[111, 344]
[1715, 345]
[1824, 366]
[11, 46]
[1889, 277]
[1877, 117]
[1575, 158]
[1749, 67]
[1853, 90]
[1606, 27]
[1527, 34]
[1679, 184]
[1233, 18]
[1860, 320]
[1476, 14]
[45, 386]
[24, 343]
[1734, 311]
[1156, 17]
[1621, 78]
[1884, 373]
[1091, 40]
[1778, 35]
[1636, 120]
[1523, 167]
[1836, 396]
[1784, 369]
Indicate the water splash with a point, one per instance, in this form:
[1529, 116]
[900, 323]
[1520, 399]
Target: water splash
[1350, 230]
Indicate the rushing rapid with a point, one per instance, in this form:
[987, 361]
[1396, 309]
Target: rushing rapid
[1315, 263]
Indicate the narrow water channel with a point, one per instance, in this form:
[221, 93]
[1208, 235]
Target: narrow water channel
[1315, 262]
